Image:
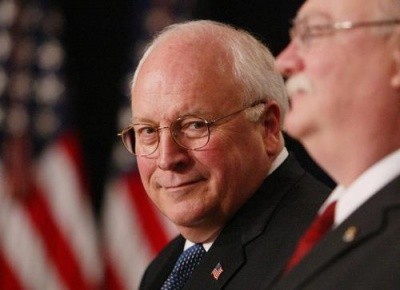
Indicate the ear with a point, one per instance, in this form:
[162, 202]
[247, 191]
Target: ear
[395, 79]
[272, 128]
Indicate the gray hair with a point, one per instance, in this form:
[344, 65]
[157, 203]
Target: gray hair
[252, 63]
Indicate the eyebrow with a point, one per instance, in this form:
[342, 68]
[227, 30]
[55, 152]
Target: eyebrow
[198, 113]
[312, 14]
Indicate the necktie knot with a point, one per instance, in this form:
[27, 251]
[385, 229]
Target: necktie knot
[318, 228]
[184, 267]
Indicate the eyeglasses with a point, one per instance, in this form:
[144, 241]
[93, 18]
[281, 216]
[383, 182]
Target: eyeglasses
[304, 31]
[189, 132]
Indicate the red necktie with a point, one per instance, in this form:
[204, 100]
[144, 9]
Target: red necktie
[319, 227]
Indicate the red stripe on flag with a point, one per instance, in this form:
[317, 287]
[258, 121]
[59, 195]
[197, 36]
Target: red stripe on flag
[69, 143]
[111, 278]
[55, 243]
[148, 218]
[8, 280]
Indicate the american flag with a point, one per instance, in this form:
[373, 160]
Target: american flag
[47, 234]
[134, 230]
[217, 271]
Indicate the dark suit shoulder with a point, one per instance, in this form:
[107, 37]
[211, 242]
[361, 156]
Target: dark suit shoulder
[360, 253]
[300, 194]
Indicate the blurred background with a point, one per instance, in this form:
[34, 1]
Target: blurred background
[73, 213]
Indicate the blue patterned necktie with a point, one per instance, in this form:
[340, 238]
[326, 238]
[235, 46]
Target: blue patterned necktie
[184, 267]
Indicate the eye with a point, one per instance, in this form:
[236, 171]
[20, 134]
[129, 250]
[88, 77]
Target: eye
[192, 127]
[145, 134]
[319, 30]
[145, 130]
[309, 27]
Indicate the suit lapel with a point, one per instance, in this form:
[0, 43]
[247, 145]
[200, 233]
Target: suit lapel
[363, 224]
[226, 254]
[165, 263]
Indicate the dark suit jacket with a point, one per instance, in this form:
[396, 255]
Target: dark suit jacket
[362, 253]
[254, 246]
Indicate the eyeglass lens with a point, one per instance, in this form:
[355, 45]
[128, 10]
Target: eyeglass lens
[188, 132]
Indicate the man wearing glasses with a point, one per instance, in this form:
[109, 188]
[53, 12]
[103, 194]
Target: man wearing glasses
[343, 70]
[207, 107]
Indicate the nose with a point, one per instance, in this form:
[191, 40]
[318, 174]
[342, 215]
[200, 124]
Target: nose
[171, 156]
[289, 60]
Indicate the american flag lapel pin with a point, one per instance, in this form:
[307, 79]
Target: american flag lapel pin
[217, 271]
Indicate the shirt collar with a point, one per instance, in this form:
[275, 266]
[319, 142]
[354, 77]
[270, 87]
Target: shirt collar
[365, 186]
[279, 160]
[206, 246]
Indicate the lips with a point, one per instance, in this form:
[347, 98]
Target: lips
[179, 183]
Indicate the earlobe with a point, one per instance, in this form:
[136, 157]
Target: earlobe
[395, 80]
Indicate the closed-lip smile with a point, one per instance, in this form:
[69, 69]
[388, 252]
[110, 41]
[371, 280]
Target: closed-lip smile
[183, 184]
[180, 184]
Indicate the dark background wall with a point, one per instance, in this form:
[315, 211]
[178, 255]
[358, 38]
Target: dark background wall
[269, 20]
[99, 40]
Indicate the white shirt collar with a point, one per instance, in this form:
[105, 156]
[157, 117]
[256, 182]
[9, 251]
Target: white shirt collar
[279, 160]
[206, 246]
[365, 186]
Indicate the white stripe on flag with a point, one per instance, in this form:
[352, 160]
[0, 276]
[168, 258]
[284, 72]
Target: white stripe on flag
[69, 206]
[128, 248]
[22, 247]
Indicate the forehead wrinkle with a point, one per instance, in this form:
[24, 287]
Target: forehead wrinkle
[343, 10]
[169, 112]
[311, 15]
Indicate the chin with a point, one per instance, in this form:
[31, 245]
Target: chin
[186, 221]
[185, 216]
[292, 126]
[192, 217]
[298, 122]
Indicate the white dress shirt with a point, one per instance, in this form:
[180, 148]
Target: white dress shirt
[365, 186]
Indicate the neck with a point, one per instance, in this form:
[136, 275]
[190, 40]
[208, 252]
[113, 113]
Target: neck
[346, 161]
[197, 235]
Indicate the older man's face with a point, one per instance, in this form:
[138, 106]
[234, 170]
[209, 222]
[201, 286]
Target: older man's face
[338, 81]
[198, 189]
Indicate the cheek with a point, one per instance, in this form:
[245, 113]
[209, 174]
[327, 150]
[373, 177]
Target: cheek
[323, 76]
[219, 166]
[336, 72]
[211, 163]
[330, 80]
[235, 177]
[146, 169]
[230, 163]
